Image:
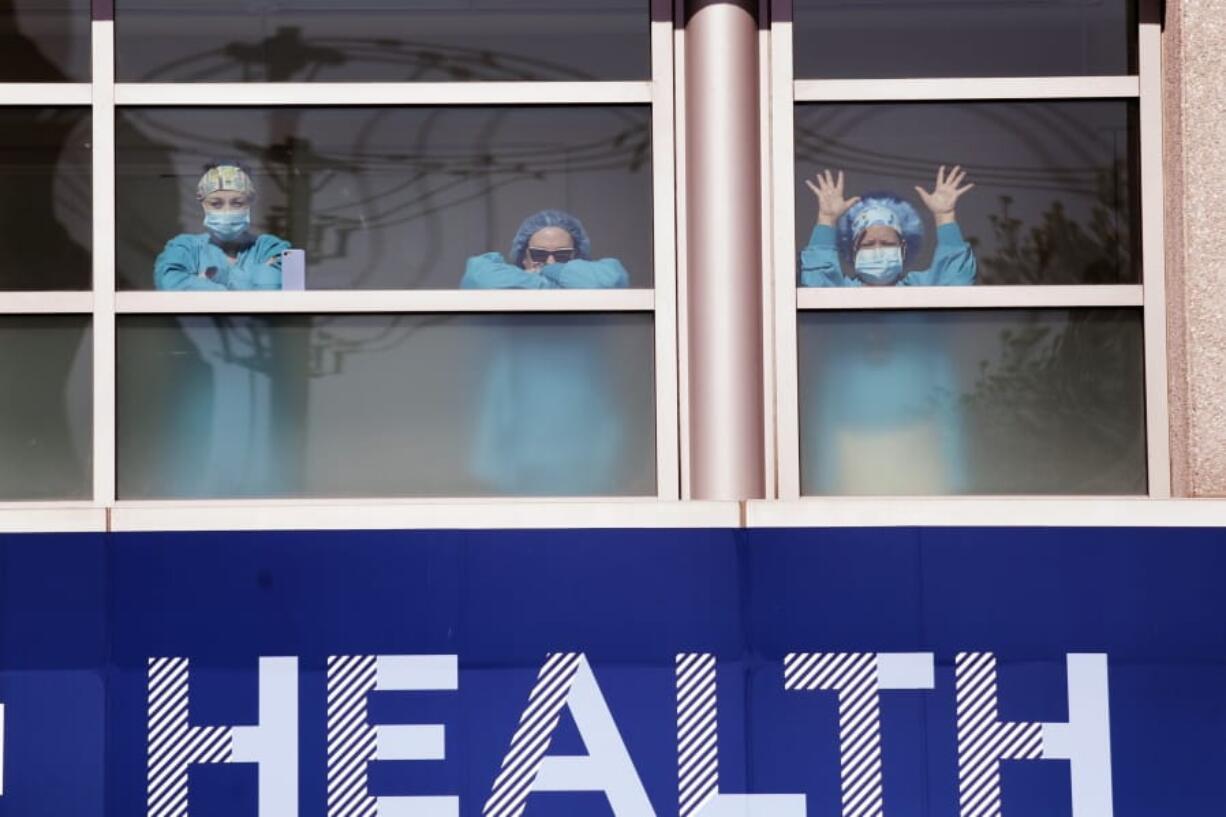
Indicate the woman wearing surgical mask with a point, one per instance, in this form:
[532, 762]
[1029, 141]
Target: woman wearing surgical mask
[227, 256]
[880, 234]
[550, 250]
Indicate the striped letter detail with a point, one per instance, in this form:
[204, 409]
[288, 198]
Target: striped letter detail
[697, 735]
[983, 741]
[854, 676]
[351, 739]
[174, 745]
[533, 736]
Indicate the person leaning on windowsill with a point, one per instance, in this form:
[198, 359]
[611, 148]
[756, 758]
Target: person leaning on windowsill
[551, 250]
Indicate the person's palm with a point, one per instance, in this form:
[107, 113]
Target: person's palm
[943, 199]
[831, 203]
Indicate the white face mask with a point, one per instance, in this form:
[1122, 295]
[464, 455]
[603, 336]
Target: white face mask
[879, 265]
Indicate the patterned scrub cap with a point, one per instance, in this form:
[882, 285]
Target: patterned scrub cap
[883, 209]
[873, 216]
[224, 177]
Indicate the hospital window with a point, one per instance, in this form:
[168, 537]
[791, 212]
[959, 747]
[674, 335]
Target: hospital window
[1017, 346]
[389, 144]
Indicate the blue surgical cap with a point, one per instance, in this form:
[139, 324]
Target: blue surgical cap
[881, 209]
[549, 218]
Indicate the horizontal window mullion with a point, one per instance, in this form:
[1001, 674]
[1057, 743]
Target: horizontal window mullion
[985, 88]
[384, 93]
[46, 93]
[385, 301]
[979, 297]
[46, 303]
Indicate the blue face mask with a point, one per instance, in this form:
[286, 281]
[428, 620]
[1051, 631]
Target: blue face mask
[228, 226]
[879, 265]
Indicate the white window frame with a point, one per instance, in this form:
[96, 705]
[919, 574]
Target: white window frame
[103, 303]
[789, 299]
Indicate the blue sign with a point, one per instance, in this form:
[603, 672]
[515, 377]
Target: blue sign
[644, 673]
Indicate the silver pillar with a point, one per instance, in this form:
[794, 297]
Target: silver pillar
[723, 201]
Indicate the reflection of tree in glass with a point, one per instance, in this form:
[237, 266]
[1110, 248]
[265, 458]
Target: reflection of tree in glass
[1060, 250]
[1061, 408]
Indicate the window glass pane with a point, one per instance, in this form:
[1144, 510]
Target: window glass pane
[44, 41]
[381, 40]
[45, 404]
[874, 39]
[382, 405]
[972, 402]
[1054, 198]
[45, 198]
[383, 198]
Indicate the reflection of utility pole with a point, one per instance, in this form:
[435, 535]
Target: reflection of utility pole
[285, 55]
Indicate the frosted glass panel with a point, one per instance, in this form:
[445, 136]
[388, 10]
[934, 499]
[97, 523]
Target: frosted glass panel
[972, 402]
[1055, 197]
[388, 198]
[875, 39]
[381, 405]
[45, 414]
[381, 40]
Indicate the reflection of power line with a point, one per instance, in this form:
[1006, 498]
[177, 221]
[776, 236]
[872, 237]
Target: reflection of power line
[439, 177]
[1064, 142]
[288, 52]
[813, 148]
[441, 182]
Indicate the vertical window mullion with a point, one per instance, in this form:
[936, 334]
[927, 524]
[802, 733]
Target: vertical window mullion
[1153, 265]
[668, 464]
[103, 124]
[783, 149]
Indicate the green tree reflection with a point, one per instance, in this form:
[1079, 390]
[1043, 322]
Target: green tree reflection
[1060, 408]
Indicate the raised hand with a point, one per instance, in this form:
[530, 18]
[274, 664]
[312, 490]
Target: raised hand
[944, 196]
[830, 201]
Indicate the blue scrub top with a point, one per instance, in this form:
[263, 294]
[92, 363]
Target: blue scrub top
[953, 262]
[193, 261]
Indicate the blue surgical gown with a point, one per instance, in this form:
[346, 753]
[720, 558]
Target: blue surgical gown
[953, 263]
[881, 406]
[548, 424]
[492, 271]
[195, 262]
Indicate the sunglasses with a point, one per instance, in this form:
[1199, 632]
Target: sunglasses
[539, 256]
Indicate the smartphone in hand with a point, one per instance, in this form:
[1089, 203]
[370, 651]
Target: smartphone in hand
[293, 269]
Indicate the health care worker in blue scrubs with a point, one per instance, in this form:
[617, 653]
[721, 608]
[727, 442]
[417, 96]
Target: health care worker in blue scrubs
[880, 236]
[551, 250]
[227, 256]
[882, 390]
[547, 424]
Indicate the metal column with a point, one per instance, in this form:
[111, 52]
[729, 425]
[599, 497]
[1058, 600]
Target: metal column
[724, 239]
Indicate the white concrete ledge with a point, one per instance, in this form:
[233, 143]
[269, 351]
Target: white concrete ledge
[481, 514]
[433, 515]
[52, 517]
[1046, 512]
